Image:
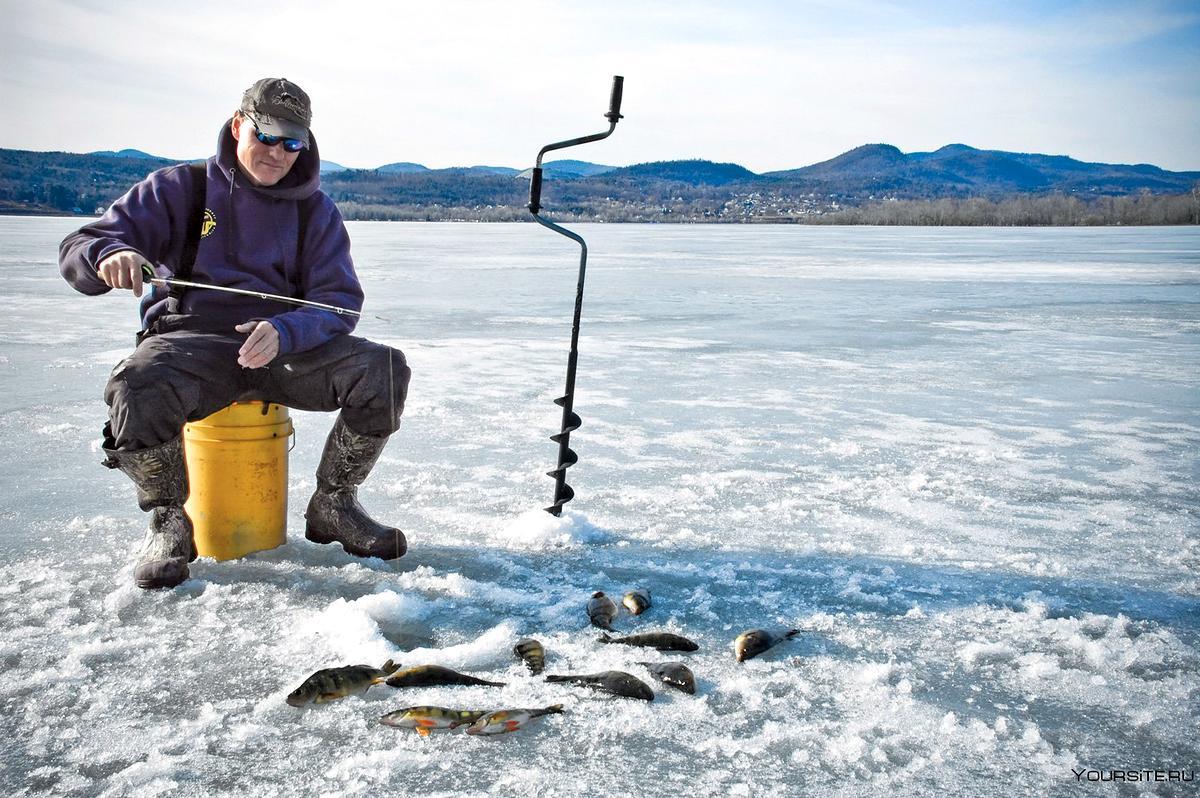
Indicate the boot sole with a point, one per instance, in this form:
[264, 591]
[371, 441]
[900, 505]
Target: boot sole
[319, 536]
[168, 579]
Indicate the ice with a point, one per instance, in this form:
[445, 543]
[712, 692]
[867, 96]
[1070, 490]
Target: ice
[962, 462]
[536, 529]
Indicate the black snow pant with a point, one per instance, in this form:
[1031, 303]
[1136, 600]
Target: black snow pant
[181, 372]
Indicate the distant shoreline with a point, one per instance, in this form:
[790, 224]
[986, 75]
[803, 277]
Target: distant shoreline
[681, 222]
[872, 185]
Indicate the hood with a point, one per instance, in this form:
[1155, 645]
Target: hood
[302, 181]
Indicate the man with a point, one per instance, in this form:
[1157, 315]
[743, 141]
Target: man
[252, 218]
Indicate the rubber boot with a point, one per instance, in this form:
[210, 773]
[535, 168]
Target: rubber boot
[160, 475]
[334, 514]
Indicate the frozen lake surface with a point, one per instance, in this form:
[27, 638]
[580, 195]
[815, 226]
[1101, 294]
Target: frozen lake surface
[963, 462]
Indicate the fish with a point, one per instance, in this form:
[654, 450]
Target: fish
[507, 720]
[330, 684]
[427, 719]
[675, 674]
[637, 601]
[432, 675]
[663, 641]
[601, 611]
[532, 654]
[618, 683]
[751, 643]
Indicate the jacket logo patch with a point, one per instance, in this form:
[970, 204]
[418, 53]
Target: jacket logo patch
[209, 224]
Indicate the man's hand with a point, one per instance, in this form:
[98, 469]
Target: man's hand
[261, 347]
[122, 270]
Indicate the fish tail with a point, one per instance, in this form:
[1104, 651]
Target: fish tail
[791, 633]
[554, 709]
[553, 678]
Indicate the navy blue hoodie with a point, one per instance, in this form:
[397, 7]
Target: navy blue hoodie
[250, 242]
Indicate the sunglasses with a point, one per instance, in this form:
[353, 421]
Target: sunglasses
[291, 145]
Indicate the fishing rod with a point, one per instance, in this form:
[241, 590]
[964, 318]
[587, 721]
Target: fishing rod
[570, 420]
[171, 281]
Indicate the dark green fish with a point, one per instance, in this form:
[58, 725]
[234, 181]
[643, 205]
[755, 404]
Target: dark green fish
[433, 675]
[675, 674]
[601, 610]
[663, 641]
[532, 654]
[751, 643]
[637, 601]
[619, 683]
[426, 719]
[331, 684]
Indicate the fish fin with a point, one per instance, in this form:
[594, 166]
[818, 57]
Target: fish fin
[791, 633]
[422, 731]
[512, 725]
[555, 708]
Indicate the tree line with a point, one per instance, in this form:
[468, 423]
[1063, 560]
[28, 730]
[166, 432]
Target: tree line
[1053, 210]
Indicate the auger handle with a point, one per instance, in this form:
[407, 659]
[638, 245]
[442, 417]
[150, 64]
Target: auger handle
[535, 191]
[614, 101]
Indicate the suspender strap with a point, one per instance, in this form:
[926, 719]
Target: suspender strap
[191, 243]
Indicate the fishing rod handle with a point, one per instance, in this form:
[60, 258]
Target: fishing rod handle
[614, 102]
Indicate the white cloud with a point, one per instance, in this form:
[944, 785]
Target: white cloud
[770, 85]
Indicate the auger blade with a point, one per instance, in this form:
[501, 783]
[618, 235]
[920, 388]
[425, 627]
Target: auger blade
[561, 497]
[565, 461]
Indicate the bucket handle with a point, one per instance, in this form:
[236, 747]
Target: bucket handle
[291, 440]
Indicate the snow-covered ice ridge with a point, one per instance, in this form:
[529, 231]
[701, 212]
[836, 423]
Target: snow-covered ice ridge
[962, 462]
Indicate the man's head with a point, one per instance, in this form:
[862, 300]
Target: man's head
[271, 127]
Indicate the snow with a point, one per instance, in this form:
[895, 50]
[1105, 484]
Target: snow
[962, 462]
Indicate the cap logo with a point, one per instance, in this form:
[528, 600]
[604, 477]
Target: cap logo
[291, 103]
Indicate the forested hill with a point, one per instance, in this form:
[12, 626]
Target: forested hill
[875, 183]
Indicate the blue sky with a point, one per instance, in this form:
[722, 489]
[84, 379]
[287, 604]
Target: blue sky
[769, 85]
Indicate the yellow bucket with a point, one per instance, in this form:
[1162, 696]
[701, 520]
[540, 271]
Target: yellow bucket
[237, 462]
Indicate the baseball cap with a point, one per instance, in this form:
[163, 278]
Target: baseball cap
[279, 108]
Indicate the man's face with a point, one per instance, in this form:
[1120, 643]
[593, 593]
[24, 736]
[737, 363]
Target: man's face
[265, 166]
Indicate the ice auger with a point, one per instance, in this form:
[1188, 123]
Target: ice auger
[570, 420]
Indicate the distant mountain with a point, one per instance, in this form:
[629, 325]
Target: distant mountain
[571, 168]
[960, 170]
[401, 167]
[331, 166]
[693, 172]
[128, 154]
[484, 170]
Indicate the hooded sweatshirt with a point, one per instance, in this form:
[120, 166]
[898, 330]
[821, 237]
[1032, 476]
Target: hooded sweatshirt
[249, 241]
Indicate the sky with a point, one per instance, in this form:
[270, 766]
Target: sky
[766, 84]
